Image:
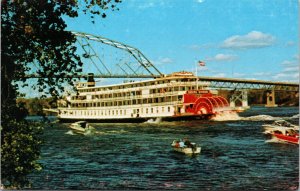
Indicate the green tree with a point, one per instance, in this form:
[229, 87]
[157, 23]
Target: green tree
[33, 31]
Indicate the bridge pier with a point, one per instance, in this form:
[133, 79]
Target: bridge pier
[241, 96]
[271, 99]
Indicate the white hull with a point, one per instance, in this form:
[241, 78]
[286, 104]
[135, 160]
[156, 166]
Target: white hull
[78, 129]
[187, 150]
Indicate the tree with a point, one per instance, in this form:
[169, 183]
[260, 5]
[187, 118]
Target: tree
[33, 33]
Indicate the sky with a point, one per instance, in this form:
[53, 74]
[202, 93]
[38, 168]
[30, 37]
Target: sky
[249, 39]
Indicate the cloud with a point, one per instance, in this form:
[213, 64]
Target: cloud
[290, 43]
[221, 75]
[166, 60]
[146, 5]
[254, 39]
[195, 47]
[262, 74]
[200, 1]
[290, 71]
[161, 61]
[204, 46]
[238, 75]
[222, 58]
[283, 76]
[141, 5]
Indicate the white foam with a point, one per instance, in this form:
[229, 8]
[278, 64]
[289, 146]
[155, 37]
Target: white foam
[226, 116]
[275, 140]
[70, 132]
[295, 116]
[157, 120]
[261, 118]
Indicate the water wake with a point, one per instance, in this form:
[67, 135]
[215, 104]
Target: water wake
[70, 132]
[261, 118]
[233, 116]
[273, 140]
[226, 116]
[157, 120]
[295, 116]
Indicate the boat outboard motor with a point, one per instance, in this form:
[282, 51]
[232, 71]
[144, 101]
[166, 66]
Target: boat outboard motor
[90, 80]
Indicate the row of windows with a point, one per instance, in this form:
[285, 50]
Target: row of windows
[135, 93]
[129, 102]
[118, 112]
[141, 84]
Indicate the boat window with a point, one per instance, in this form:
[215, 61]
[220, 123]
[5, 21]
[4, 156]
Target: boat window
[180, 97]
[278, 132]
[169, 109]
[147, 110]
[151, 110]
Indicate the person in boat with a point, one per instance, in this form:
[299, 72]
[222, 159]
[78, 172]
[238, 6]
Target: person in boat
[177, 144]
[187, 143]
[181, 143]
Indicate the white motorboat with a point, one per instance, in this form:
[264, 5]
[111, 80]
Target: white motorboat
[82, 127]
[185, 147]
[279, 124]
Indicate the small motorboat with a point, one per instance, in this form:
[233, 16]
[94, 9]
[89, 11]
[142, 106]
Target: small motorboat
[82, 127]
[283, 131]
[279, 124]
[185, 146]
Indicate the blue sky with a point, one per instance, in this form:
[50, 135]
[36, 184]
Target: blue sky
[251, 39]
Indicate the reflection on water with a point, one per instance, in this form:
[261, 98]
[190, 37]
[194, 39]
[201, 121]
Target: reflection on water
[234, 156]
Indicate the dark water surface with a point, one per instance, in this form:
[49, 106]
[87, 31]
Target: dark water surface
[234, 156]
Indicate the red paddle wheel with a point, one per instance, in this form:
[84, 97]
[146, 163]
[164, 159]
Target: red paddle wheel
[203, 102]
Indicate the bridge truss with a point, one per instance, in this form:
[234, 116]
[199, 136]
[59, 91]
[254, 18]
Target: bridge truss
[108, 58]
[240, 84]
[116, 60]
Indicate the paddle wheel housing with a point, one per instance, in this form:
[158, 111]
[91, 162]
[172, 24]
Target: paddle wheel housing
[203, 102]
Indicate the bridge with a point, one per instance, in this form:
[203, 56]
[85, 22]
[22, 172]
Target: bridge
[129, 62]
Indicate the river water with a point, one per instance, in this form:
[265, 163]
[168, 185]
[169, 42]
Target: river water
[235, 155]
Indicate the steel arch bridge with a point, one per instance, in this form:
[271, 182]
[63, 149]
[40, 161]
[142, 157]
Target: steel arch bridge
[134, 64]
[137, 65]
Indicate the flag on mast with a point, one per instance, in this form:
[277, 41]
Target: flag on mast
[201, 63]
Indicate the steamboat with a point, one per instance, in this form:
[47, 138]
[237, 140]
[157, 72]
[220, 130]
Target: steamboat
[178, 96]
